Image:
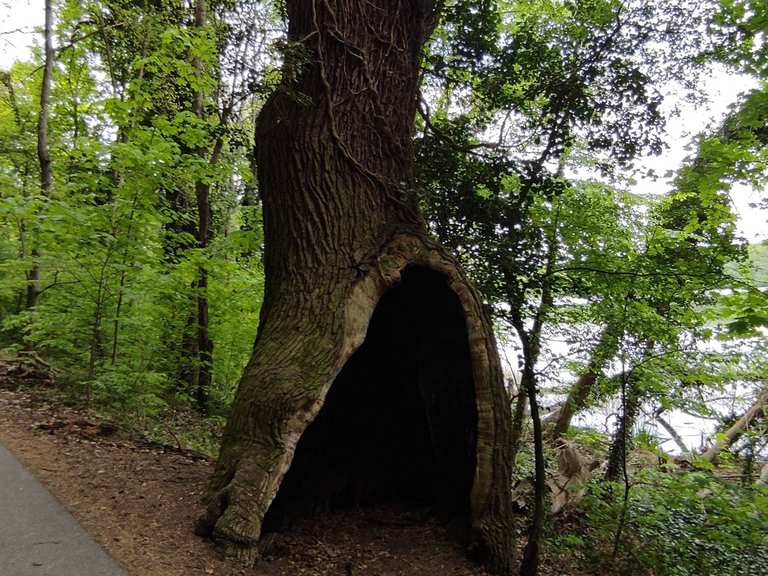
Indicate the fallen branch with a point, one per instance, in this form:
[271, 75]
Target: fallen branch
[763, 479]
[671, 431]
[724, 441]
[32, 357]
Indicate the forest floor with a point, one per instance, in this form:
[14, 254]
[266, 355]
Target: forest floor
[139, 500]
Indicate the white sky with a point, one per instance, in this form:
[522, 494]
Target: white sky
[723, 89]
[21, 16]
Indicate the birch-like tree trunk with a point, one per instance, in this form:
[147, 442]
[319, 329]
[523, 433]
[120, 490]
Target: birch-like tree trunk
[43, 151]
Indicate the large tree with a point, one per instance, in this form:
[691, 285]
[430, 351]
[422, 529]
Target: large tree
[375, 374]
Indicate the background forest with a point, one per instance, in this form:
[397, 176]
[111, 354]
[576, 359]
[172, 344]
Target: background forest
[627, 304]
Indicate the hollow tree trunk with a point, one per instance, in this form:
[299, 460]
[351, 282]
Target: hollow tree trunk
[341, 226]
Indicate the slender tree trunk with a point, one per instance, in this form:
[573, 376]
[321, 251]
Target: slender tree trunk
[118, 312]
[118, 178]
[21, 295]
[531, 341]
[203, 345]
[96, 348]
[518, 421]
[342, 230]
[579, 392]
[118, 82]
[757, 410]
[622, 437]
[530, 563]
[43, 153]
[123, 276]
[23, 171]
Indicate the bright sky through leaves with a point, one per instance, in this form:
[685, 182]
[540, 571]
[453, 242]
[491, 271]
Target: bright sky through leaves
[21, 17]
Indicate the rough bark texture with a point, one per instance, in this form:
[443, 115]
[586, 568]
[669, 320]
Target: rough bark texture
[342, 229]
[43, 154]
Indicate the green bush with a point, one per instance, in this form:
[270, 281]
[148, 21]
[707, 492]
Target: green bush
[687, 524]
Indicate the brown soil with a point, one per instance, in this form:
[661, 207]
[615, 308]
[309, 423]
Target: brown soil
[140, 500]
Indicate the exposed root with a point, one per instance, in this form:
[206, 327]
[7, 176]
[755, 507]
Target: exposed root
[206, 523]
[492, 544]
[246, 555]
[231, 527]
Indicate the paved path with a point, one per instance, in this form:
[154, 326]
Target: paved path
[37, 536]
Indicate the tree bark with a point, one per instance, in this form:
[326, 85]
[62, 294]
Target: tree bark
[341, 227]
[203, 368]
[530, 562]
[622, 437]
[757, 410]
[43, 152]
[531, 343]
[518, 422]
[579, 392]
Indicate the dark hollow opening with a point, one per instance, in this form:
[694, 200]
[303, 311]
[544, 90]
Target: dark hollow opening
[398, 425]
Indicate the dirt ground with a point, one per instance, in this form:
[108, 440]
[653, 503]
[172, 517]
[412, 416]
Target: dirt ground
[139, 501]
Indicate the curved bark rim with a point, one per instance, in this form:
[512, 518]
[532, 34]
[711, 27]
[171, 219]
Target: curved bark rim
[248, 478]
[400, 252]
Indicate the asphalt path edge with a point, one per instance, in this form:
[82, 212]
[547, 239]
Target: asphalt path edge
[38, 537]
